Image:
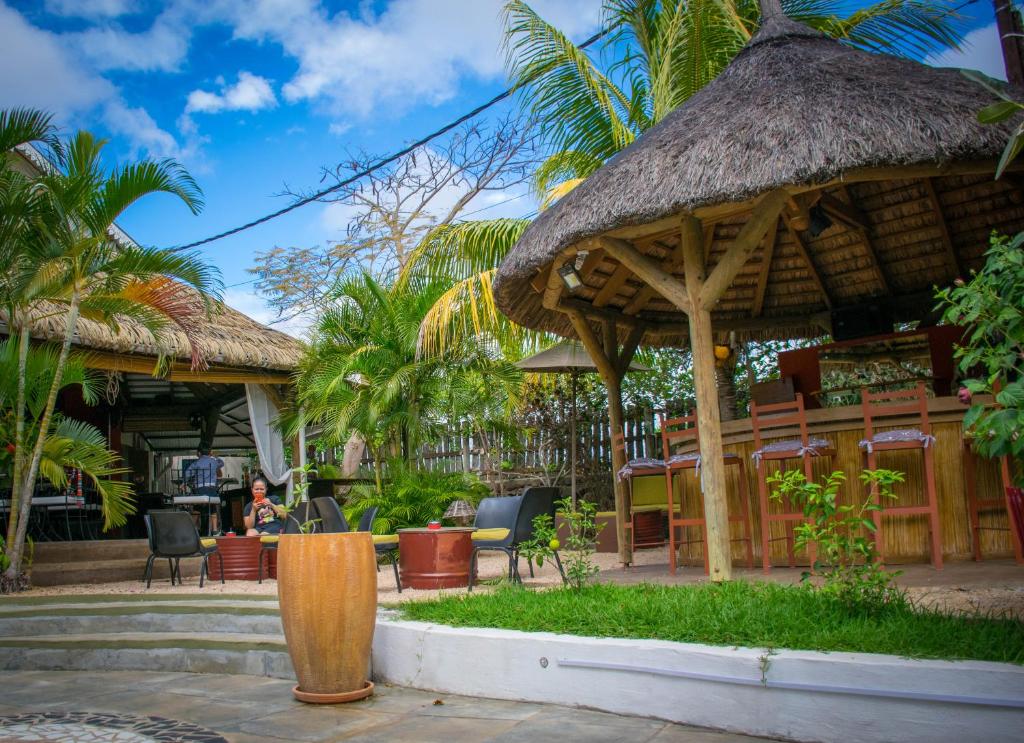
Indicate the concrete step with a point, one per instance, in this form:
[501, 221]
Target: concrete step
[94, 570]
[144, 618]
[99, 549]
[234, 653]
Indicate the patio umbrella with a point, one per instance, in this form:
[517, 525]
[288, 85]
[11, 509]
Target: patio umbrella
[569, 358]
[808, 184]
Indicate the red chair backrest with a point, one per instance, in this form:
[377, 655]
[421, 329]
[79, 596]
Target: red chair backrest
[779, 415]
[676, 431]
[900, 402]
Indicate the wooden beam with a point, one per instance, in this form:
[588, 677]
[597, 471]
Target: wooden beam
[765, 213]
[865, 238]
[179, 372]
[802, 250]
[647, 292]
[611, 287]
[610, 339]
[709, 426]
[591, 262]
[629, 349]
[598, 313]
[540, 281]
[848, 214]
[586, 335]
[766, 264]
[613, 383]
[940, 221]
[664, 283]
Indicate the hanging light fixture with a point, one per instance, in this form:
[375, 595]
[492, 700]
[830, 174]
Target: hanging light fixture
[570, 277]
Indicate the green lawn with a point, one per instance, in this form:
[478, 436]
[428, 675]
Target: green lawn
[761, 615]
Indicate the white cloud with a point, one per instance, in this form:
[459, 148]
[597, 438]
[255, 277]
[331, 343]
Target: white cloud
[163, 46]
[256, 306]
[37, 69]
[415, 51]
[981, 51]
[91, 8]
[250, 93]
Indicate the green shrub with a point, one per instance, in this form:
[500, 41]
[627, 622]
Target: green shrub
[845, 552]
[412, 497]
[577, 562]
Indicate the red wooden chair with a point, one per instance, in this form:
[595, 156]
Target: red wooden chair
[770, 418]
[877, 405]
[644, 525]
[975, 505]
[682, 431]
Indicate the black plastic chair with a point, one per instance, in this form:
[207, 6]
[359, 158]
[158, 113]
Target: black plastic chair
[332, 520]
[536, 501]
[385, 545]
[302, 513]
[173, 535]
[500, 514]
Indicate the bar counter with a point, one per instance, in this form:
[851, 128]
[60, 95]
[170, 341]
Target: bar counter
[906, 537]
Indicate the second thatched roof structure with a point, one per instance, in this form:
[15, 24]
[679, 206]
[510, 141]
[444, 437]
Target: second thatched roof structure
[890, 150]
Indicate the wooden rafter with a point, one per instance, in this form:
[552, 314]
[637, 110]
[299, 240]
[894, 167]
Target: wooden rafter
[869, 248]
[940, 221]
[670, 264]
[765, 213]
[766, 264]
[843, 211]
[802, 250]
[664, 283]
[611, 287]
[629, 348]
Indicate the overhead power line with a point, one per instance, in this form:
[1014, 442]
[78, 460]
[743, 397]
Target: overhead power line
[372, 167]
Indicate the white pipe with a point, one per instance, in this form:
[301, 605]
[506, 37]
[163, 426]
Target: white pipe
[740, 681]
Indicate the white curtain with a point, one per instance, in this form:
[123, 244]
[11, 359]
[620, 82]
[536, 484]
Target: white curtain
[262, 414]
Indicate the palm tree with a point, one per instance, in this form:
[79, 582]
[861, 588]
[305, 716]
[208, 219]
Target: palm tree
[363, 372]
[67, 261]
[68, 443]
[661, 52]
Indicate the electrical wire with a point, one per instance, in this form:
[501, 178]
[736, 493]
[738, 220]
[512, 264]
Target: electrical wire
[374, 166]
[400, 154]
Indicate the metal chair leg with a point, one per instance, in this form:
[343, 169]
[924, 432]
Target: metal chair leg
[147, 574]
[398, 580]
[472, 569]
[220, 559]
[259, 566]
[202, 572]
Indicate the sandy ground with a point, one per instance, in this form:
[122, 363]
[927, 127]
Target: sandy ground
[993, 587]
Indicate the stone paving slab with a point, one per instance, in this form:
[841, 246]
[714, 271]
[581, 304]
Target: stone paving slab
[246, 709]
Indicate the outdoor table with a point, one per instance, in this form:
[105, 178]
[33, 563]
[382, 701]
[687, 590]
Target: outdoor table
[435, 558]
[241, 559]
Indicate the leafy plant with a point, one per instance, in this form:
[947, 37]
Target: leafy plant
[412, 497]
[299, 491]
[328, 472]
[991, 305]
[1000, 111]
[846, 554]
[577, 563]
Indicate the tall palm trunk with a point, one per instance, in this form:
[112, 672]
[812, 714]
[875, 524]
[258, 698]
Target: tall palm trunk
[16, 550]
[21, 322]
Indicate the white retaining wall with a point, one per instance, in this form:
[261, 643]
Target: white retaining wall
[800, 695]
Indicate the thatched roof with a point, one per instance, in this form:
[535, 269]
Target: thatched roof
[229, 339]
[794, 108]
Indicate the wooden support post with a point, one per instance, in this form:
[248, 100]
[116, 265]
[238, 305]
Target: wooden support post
[613, 382]
[663, 282]
[709, 425]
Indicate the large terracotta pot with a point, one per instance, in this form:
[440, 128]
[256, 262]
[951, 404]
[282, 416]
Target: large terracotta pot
[327, 588]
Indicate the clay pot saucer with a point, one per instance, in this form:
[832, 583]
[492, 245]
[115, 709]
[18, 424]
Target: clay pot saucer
[339, 698]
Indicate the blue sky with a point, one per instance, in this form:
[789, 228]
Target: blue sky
[256, 96]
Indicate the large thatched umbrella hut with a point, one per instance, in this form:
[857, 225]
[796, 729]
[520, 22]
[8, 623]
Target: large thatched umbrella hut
[808, 181]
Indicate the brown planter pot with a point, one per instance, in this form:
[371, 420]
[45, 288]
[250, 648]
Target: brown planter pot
[327, 588]
[606, 538]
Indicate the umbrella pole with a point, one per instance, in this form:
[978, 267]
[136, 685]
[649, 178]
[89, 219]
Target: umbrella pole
[572, 444]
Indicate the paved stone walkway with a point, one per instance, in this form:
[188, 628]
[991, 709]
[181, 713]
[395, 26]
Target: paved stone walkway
[141, 707]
